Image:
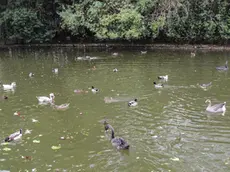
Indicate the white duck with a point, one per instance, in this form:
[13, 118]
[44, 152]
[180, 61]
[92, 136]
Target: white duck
[158, 85]
[94, 90]
[115, 70]
[143, 52]
[115, 54]
[133, 103]
[44, 99]
[163, 77]
[31, 74]
[215, 108]
[15, 136]
[9, 87]
[55, 70]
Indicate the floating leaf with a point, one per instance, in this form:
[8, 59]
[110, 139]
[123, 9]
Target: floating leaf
[5, 143]
[36, 141]
[56, 147]
[6, 149]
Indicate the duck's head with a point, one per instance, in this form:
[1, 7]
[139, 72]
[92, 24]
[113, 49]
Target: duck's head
[106, 127]
[5, 97]
[135, 100]
[92, 87]
[52, 95]
[13, 84]
[207, 101]
[20, 131]
[154, 83]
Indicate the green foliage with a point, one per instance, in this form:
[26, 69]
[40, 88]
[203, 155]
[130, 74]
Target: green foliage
[174, 20]
[23, 24]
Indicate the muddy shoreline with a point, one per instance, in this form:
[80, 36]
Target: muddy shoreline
[128, 46]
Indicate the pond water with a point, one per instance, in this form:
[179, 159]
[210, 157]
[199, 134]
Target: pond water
[168, 130]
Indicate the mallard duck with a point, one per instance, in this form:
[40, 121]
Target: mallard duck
[223, 68]
[44, 99]
[117, 142]
[61, 107]
[204, 86]
[158, 85]
[94, 90]
[31, 74]
[163, 77]
[115, 70]
[15, 136]
[215, 108]
[4, 97]
[133, 103]
[9, 87]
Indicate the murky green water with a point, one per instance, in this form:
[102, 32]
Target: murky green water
[169, 130]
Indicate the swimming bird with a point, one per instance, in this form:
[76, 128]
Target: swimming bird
[223, 68]
[115, 70]
[115, 54]
[15, 136]
[44, 99]
[158, 85]
[60, 107]
[143, 52]
[215, 108]
[55, 70]
[163, 77]
[117, 142]
[193, 54]
[133, 103]
[31, 74]
[94, 90]
[204, 86]
[4, 97]
[9, 87]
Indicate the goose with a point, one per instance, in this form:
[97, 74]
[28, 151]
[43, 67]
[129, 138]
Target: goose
[163, 77]
[223, 68]
[215, 108]
[31, 74]
[133, 103]
[55, 70]
[44, 99]
[143, 52]
[158, 85]
[15, 136]
[9, 87]
[61, 107]
[94, 90]
[115, 70]
[204, 86]
[117, 142]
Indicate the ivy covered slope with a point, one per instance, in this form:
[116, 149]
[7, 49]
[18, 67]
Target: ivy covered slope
[183, 21]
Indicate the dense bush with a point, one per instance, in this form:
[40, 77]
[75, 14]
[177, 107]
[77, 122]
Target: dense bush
[183, 21]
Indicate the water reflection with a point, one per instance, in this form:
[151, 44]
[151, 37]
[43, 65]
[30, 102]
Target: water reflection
[169, 130]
